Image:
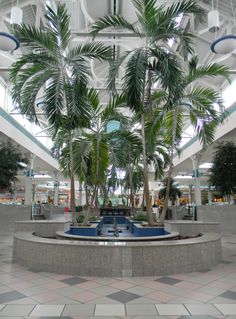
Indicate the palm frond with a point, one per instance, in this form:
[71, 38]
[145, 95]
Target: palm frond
[93, 98]
[114, 69]
[146, 12]
[203, 98]
[93, 50]
[26, 88]
[111, 111]
[76, 102]
[204, 71]
[134, 79]
[185, 7]
[169, 124]
[59, 24]
[206, 132]
[158, 164]
[55, 101]
[113, 21]
[166, 67]
[36, 39]
[100, 157]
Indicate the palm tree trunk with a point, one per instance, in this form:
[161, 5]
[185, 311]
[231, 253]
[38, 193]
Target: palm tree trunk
[88, 213]
[145, 176]
[89, 210]
[131, 186]
[170, 171]
[72, 181]
[86, 195]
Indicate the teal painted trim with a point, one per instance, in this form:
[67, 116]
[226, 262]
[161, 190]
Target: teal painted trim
[230, 110]
[12, 121]
[193, 140]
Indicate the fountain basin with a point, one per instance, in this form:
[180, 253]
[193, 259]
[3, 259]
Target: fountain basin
[117, 258]
[119, 226]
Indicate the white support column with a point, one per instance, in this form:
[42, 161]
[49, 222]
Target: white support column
[29, 182]
[80, 194]
[197, 184]
[28, 190]
[56, 193]
[209, 195]
[190, 194]
[197, 192]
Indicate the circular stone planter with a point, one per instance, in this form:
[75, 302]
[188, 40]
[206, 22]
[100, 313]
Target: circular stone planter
[117, 258]
[63, 235]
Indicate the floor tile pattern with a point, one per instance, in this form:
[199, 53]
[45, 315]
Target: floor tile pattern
[123, 296]
[168, 280]
[73, 281]
[196, 295]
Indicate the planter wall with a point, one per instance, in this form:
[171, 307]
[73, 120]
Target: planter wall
[87, 258]
[42, 228]
[191, 228]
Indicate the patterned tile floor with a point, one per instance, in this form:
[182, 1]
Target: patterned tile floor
[196, 295]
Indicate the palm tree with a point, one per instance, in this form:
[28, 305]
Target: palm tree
[198, 103]
[174, 191]
[99, 147]
[51, 67]
[151, 62]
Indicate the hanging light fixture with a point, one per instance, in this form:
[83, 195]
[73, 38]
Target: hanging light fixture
[225, 44]
[9, 42]
[213, 21]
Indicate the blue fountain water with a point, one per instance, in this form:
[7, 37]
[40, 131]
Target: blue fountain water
[118, 226]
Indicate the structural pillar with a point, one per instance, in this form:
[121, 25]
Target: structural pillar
[209, 195]
[80, 194]
[29, 182]
[56, 193]
[28, 190]
[197, 184]
[190, 194]
[197, 192]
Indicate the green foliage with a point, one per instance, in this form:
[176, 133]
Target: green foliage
[11, 160]
[224, 168]
[50, 62]
[133, 179]
[140, 217]
[174, 190]
[80, 219]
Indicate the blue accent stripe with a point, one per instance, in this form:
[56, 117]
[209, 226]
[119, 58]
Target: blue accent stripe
[230, 36]
[12, 37]
[12, 121]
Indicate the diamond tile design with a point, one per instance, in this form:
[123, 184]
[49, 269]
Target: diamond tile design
[229, 294]
[10, 296]
[73, 281]
[168, 280]
[123, 296]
